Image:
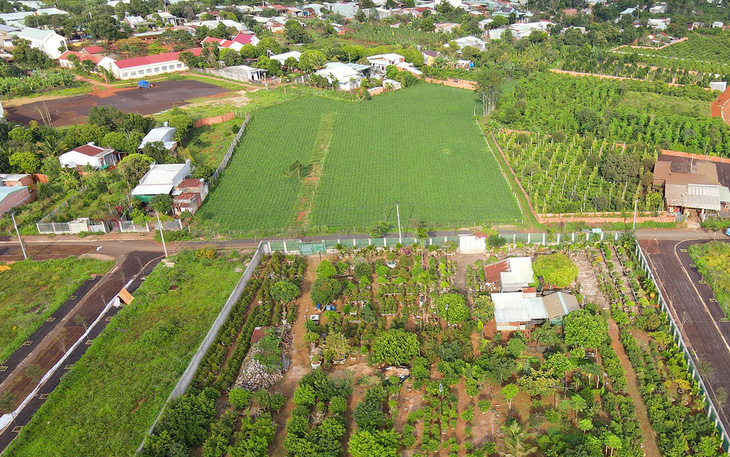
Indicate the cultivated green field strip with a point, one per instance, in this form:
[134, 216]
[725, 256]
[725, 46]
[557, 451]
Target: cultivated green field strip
[417, 147]
[310, 183]
[256, 193]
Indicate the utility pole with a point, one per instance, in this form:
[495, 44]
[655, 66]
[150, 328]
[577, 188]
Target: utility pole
[400, 235]
[17, 232]
[636, 201]
[161, 234]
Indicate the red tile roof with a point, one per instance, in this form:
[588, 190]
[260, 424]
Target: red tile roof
[90, 150]
[96, 58]
[221, 43]
[492, 272]
[92, 49]
[244, 38]
[153, 59]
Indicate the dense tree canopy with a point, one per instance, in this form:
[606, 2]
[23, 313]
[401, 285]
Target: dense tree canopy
[395, 347]
[555, 269]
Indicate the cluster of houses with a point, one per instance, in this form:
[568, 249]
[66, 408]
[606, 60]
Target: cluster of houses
[161, 179]
[517, 304]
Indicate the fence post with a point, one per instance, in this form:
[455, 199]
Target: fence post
[528, 238]
[543, 239]
[558, 242]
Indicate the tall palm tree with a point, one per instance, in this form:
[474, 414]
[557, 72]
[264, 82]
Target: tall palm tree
[515, 444]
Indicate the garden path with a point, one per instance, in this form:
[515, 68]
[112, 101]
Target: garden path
[647, 432]
[299, 362]
[588, 283]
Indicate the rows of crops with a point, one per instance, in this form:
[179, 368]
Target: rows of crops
[256, 193]
[588, 105]
[418, 147]
[572, 176]
[710, 48]
[631, 66]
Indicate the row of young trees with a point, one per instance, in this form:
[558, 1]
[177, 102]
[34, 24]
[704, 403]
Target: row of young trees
[587, 105]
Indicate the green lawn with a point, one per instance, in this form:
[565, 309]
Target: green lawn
[713, 261]
[419, 147]
[32, 290]
[106, 403]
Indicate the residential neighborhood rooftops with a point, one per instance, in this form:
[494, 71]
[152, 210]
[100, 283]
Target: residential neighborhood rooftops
[153, 59]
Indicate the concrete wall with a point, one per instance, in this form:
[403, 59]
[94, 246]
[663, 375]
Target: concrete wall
[187, 377]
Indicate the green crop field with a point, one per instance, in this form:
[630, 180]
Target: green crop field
[418, 147]
[30, 291]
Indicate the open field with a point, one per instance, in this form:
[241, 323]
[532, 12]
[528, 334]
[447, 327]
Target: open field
[107, 401]
[30, 291]
[72, 110]
[665, 104]
[418, 147]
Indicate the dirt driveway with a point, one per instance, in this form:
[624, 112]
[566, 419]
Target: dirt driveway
[73, 110]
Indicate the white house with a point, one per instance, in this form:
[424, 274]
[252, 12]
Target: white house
[162, 135]
[717, 25]
[524, 29]
[345, 76]
[141, 67]
[660, 8]
[281, 58]
[659, 24]
[381, 61]
[161, 180]
[89, 154]
[346, 10]
[47, 41]
[471, 41]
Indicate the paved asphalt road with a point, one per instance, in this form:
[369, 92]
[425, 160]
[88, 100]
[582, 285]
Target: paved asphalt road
[695, 310]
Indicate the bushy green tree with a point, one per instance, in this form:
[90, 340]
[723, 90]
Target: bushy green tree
[555, 269]
[458, 310]
[395, 346]
[584, 329]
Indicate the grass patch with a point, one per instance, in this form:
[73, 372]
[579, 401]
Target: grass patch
[32, 290]
[418, 147]
[210, 142]
[713, 262]
[107, 402]
[665, 104]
